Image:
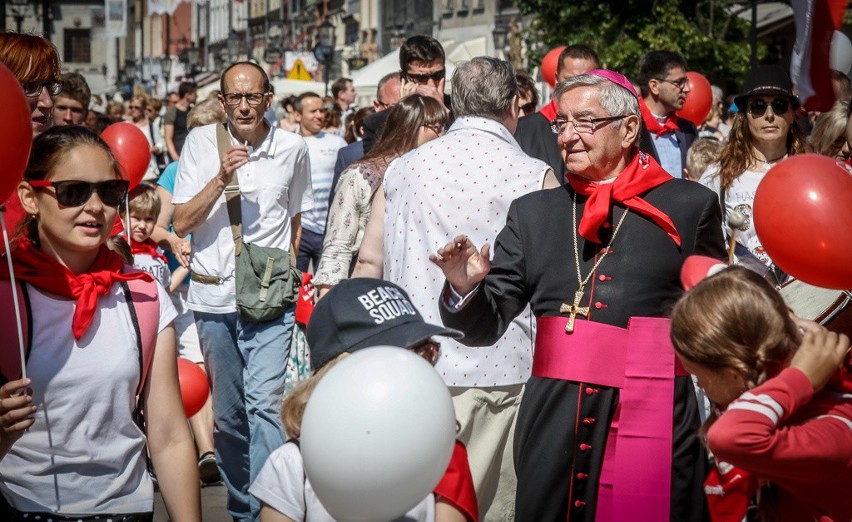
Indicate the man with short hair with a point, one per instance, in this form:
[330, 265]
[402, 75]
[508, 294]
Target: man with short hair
[422, 71]
[246, 359]
[665, 136]
[71, 106]
[481, 171]
[174, 122]
[322, 150]
[607, 428]
[534, 134]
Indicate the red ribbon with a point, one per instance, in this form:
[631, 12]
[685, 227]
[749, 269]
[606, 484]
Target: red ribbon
[49, 275]
[147, 247]
[653, 125]
[641, 175]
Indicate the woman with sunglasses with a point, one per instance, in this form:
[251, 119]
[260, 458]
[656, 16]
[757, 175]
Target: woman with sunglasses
[764, 132]
[69, 446]
[415, 120]
[138, 108]
[828, 136]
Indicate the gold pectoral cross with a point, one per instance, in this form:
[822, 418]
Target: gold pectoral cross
[574, 310]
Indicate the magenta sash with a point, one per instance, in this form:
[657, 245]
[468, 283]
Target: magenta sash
[635, 479]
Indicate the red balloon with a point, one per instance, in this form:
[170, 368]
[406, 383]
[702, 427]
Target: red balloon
[699, 101]
[549, 65]
[803, 218]
[16, 133]
[194, 388]
[130, 148]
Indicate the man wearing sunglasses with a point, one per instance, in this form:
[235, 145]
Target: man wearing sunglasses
[244, 358]
[664, 85]
[422, 71]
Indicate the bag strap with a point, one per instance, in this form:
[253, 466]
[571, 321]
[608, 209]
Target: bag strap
[10, 359]
[232, 192]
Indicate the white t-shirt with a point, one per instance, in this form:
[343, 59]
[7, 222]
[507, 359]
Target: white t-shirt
[323, 151]
[154, 266]
[460, 183]
[275, 185]
[282, 485]
[84, 454]
[740, 197]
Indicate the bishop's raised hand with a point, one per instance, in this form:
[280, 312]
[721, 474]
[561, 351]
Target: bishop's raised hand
[463, 264]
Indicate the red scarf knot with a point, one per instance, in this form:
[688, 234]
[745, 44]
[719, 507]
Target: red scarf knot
[49, 275]
[147, 247]
[654, 125]
[641, 175]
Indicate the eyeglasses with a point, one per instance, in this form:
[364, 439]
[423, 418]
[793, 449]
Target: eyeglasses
[438, 129]
[428, 349]
[527, 108]
[680, 83]
[74, 193]
[436, 76]
[757, 107]
[33, 89]
[233, 99]
[588, 126]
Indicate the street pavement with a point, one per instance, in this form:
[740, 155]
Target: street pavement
[214, 501]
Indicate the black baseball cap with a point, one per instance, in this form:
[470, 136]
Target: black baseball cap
[363, 312]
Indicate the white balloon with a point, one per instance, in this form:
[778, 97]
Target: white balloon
[377, 434]
[840, 55]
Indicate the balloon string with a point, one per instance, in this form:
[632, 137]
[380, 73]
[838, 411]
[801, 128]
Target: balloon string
[14, 293]
[127, 214]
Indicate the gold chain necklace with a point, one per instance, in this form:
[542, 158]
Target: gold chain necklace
[575, 309]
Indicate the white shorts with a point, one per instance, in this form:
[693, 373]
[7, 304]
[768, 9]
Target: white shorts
[188, 345]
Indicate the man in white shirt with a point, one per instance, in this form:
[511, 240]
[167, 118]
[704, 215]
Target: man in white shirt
[322, 149]
[469, 176]
[246, 360]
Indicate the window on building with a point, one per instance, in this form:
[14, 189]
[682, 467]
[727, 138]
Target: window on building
[351, 34]
[77, 46]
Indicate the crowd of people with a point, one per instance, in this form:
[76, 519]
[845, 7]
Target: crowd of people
[611, 330]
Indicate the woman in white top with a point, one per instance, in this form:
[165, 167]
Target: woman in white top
[764, 132]
[412, 122]
[69, 446]
[138, 108]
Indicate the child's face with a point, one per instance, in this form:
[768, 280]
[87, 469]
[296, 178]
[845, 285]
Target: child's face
[722, 386]
[141, 226]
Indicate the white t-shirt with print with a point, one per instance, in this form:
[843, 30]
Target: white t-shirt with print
[283, 486]
[275, 185]
[158, 268]
[84, 454]
[323, 152]
[740, 197]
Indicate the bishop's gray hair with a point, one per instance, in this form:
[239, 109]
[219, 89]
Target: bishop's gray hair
[485, 87]
[615, 99]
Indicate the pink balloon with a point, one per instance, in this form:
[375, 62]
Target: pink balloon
[803, 217]
[16, 133]
[130, 148]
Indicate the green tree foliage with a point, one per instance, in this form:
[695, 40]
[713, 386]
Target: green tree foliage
[707, 33]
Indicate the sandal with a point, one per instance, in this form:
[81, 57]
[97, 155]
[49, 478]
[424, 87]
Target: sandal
[208, 468]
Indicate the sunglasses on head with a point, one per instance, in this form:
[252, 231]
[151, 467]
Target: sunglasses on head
[74, 193]
[436, 76]
[757, 107]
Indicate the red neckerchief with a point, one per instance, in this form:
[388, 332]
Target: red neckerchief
[456, 485]
[653, 125]
[549, 110]
[49, 275]
[147, 247]
[641, 175]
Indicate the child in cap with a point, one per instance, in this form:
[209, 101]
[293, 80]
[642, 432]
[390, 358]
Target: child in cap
[355, 314]
[783, 398]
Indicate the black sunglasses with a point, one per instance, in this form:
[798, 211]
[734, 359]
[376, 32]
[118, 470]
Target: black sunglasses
[436, 76]
[757, 107]
[74, 193]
